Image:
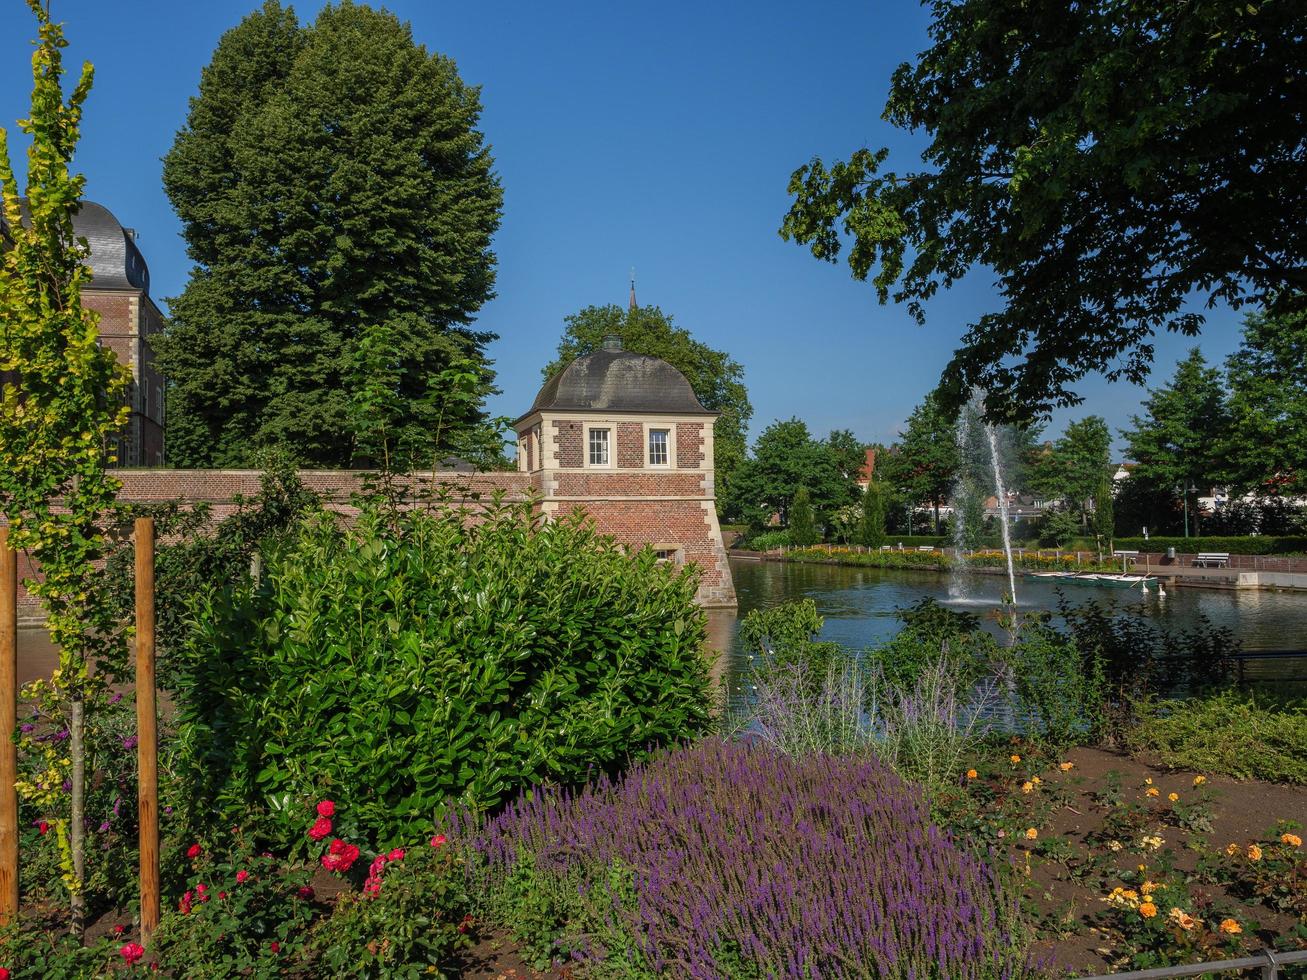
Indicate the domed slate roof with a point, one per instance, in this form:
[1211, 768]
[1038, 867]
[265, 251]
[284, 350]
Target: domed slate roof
[614, 380]
[115, 261]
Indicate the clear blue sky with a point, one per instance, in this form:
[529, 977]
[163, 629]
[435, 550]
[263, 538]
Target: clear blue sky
[658, 135]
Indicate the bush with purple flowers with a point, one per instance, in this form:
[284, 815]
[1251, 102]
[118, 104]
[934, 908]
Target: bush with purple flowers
[730, 859]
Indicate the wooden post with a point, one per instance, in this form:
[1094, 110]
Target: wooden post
[8, 722]
[147, 744]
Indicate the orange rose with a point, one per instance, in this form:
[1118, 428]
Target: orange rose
[1148, 910]
[1293, 840]
[1230, 927]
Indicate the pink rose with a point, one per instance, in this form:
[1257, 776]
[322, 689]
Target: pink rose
[326, 809]
[396, 855]
[242, 877]
[438, 840]
[131, 952]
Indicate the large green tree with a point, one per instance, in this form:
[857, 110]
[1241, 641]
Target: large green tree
[1267, 448]
[332, 184]
[924, 465]
[716, 377]
[1107, 160]
[786, 458]
[1072, 469]
[1181, 439]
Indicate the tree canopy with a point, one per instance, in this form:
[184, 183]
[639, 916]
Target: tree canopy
[716, 377]
[331, 181]
[1266, 450]
[924, 465]
[1073, 468]
[1107, 160]
[786, 458]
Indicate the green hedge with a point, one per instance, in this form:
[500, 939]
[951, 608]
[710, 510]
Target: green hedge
[1241, 545]
[409, 660]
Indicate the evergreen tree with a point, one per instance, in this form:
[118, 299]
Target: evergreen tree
[803, 523]
[331, 184]
[1073, 468]
[871, 532]
[924, 465]
[1266, 451]
[1179, 441]
[1104, 513]
[716, 378]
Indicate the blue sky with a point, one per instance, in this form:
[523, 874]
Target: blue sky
[658, 135]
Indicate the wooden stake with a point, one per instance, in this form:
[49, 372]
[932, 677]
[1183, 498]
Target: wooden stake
[147, 734]
[8, 722]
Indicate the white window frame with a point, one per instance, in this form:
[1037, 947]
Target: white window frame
[668, 439]
[608, 446]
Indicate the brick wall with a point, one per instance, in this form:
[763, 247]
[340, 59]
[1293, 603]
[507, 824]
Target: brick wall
[689, 445]
[630, 445]
[567, 437]
[645, 483]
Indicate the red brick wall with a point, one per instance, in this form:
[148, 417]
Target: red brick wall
[689, 445]
[567, 437]
[646, 483]
[630, 445]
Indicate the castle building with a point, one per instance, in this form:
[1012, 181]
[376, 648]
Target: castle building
[119, 291]
[622, 436]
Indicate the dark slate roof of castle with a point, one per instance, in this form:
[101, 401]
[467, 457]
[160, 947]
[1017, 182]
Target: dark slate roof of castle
[115, 261]
[614, 380]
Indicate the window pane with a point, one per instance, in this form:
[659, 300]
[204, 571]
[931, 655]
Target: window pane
[598, 447]
[657, 447]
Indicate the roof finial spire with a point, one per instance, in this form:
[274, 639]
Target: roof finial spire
[632, 289]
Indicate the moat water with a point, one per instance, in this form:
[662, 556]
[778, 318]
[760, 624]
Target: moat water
[860, 605]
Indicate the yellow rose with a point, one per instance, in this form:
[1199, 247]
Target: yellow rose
[1152, 791]
[1293, 840]
[1199, 780]
[1181, 918]
[1231, 850]
[972, 774]
[1037, 781]
[1254, 852]
[1027, 786]
[1148, 887]
[1067, 766]
[1230, 927]
[1015, 758]
[1173, 797]
[1148, 910]
[1031, 833]
[1148, 780]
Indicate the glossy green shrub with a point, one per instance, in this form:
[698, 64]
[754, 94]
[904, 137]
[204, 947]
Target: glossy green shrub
[408, 660]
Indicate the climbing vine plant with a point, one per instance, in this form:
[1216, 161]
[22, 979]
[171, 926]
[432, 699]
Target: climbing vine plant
[62, 398]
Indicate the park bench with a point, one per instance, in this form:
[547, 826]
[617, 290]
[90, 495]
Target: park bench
[887, 547]
[925, 547]
[1209, 559]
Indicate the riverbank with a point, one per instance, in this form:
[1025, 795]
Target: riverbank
[1250, 572]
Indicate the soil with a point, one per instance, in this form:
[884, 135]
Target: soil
[1241, 812]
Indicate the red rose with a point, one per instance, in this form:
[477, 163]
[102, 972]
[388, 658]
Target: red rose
[396, 855]
[242, 877]
[306, 893]
[118, 930]
[326, 809]
[4, 973]
[320, 829]
[340, 856]
[438, 840]
[274, 946]
[131, 952]
[42, 828]
[194, 851]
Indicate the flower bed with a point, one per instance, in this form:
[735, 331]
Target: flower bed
[727, 859]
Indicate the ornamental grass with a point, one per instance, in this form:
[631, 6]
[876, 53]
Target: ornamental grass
[731, 859]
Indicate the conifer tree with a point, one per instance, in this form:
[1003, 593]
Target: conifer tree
[332, 186]
[803, 523]
[871, 531]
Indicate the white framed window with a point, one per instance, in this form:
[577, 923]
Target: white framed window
[599, 447]
[659, 447]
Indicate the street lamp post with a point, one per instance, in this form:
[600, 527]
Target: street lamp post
[1188, 490]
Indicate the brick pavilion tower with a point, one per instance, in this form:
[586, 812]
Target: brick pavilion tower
[623, 437]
